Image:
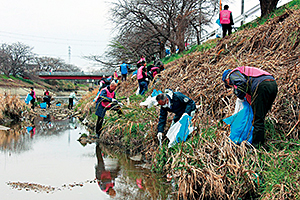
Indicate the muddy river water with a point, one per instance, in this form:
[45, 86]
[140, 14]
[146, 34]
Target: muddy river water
[47, 162]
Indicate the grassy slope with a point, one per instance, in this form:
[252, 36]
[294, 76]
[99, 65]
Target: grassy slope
[207, 160]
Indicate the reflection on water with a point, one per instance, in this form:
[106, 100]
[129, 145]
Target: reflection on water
[106, 175]
[46, 153]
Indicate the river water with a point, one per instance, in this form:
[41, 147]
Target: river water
[47, 162]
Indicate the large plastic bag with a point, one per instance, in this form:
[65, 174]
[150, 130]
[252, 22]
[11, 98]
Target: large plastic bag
[28, 99]
[149, 102]
[180, 130]
[238, 105]
[241, 128]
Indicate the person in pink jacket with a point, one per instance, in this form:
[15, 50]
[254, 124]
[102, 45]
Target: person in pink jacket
[32, 93]
[259, 88]
[226, 20]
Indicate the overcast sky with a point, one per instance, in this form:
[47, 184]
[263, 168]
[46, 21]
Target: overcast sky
[52, 26]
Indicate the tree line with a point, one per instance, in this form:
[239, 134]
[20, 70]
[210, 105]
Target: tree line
[19, 59]
[148, 27]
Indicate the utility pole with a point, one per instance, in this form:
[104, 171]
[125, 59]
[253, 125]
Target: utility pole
[69, 55]
[242, 13]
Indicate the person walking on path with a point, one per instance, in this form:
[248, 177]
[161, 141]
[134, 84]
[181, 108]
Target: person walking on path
[177, 103]
[71, 100]
[259, 88]
[124, 70]
[33, 95]
[226, 20]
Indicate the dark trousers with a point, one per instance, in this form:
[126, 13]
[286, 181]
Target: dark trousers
[32, 103]
[124, 77]
[225, 28]
[143, 87]
[262, 102]
[70, 106]
[99, 126]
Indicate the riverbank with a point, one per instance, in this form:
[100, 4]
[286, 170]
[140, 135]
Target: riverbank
[208, 165]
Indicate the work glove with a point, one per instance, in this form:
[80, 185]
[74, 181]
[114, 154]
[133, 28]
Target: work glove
[114, 101]
[146, 79]
[159, 136]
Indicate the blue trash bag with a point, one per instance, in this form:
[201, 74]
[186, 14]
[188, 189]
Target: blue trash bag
[44, 116]
[96, 96]
[43, 105]
[58, 104]
[155, 93]
[180, 130]
[29, 128]
[241, 128]
[28, 99]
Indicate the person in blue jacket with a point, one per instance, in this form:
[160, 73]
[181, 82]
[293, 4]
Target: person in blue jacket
[177, 103]
[124, 71]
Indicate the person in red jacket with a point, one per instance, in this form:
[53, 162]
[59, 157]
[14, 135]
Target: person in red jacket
[226, 20]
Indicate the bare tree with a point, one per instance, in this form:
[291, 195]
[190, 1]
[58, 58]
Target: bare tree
[267, 6]
[15, 58]
[54, 64]
[146, 26]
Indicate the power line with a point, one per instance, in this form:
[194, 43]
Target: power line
[52, 40]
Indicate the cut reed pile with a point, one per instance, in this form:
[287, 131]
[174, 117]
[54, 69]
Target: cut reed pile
[11, 107]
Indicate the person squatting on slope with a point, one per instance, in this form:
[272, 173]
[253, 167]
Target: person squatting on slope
[142, 78]
[226, 20]
[106, 101]
[260, 90]
[177, 103]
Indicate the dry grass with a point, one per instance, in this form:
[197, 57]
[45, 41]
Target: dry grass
[11, 106]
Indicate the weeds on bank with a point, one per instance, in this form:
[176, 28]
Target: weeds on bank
[135, 126]
[209, 166]
[11, 106]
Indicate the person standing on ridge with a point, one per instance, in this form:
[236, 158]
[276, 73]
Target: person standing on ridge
[124, 70]
[259, 88]
[226, 20]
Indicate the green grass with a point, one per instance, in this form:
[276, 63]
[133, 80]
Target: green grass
[294, 5]
[4, 76]
[205, 46]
